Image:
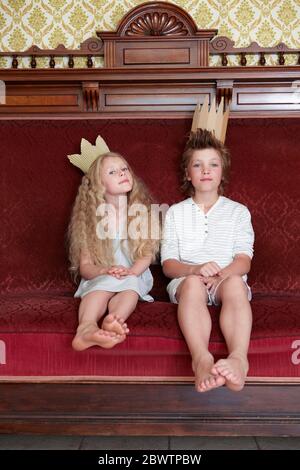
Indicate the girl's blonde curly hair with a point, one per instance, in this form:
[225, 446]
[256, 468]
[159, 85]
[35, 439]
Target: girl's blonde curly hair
[82, 230]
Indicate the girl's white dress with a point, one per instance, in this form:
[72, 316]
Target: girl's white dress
[141, 284]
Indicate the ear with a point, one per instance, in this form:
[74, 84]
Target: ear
[187, 175]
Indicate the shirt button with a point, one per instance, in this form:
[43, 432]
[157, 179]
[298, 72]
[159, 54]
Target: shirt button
[206, 231]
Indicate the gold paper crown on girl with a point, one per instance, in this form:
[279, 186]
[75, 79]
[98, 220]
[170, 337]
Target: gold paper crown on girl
[213, 119]
[89, 153]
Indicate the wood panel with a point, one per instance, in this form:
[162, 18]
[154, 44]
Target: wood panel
[268, 97]
[151, 98]
[40, 99]
[172, 409]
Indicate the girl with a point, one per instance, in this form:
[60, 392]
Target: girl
[207, 250]
[114, 269]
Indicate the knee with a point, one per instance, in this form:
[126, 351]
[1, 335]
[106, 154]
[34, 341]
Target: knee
[234, 279]
[233, 285]
[193, 284]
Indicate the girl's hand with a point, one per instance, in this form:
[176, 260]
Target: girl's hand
[207, 269]
[128, 272]
[117, 271]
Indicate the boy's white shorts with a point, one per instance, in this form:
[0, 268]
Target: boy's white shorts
[212, 299]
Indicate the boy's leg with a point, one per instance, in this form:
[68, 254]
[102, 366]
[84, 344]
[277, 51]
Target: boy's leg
[235, 323]
[91, 309]
[195, 323]
[120, 307]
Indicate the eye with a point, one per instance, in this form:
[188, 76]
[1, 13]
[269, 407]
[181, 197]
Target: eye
[125, 168]
[112, 172]
[196, 165]
[215, 164]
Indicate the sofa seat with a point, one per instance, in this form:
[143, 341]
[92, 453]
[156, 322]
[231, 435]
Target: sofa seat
[37, 330]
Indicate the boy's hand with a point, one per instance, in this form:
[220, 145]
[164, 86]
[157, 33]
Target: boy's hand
[207, 269]
[211, 282]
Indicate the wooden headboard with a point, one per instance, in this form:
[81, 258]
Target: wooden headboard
[157, 64]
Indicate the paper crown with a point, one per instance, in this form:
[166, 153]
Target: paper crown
[214, 120]
[89, 153]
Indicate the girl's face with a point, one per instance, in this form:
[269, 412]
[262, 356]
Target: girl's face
[115, 176]
[204, 170]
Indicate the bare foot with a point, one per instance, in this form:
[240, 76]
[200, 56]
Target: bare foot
[234, 369]
[89, 334]
[115, 324]
[204, 379]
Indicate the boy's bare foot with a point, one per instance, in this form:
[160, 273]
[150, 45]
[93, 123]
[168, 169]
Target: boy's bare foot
[115, 324]
[204, 379]
[89, 334]
[234, 369]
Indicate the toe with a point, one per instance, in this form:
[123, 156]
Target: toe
[202, 387]
[212, 383]
[220, 381]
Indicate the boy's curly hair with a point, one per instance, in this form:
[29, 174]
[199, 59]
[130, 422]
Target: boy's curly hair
[200, 140]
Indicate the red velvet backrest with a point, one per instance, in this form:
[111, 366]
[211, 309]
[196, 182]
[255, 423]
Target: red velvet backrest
[38, 187]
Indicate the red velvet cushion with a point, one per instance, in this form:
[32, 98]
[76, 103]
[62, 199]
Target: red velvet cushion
[38, 187]
[38, 331]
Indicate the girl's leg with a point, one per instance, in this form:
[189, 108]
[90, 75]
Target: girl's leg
[119, 308]
[235, 323]
[195, 323]
[92, 308]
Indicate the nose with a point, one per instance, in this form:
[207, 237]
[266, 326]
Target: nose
[205, 170]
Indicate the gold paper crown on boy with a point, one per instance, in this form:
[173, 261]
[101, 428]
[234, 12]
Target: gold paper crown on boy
[213, 119]
[89, 153]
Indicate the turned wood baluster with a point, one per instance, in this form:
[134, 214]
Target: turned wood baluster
[33, 62]
[243, 59]
[281, 58]
[262, 59]
[52, 62]
[15, 62]
[224, 59]
[89, 62]
[71, 61]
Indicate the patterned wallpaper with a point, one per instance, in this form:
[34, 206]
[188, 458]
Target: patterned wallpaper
[48, 23]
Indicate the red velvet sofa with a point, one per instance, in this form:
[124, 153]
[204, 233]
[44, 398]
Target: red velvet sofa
[38, 314]
[38, 186]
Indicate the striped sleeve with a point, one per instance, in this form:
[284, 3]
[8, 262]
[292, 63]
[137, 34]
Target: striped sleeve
[169, 243]
[244, 236]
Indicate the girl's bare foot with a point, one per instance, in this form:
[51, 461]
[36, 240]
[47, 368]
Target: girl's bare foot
[204, 379]
[89, 334]
[234, 369]
[115, 324]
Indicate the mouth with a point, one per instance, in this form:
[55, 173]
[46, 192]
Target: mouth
[124, 181]
[206, 179]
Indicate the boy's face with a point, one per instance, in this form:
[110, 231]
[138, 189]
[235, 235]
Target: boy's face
[116, 176]
[205, 170]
